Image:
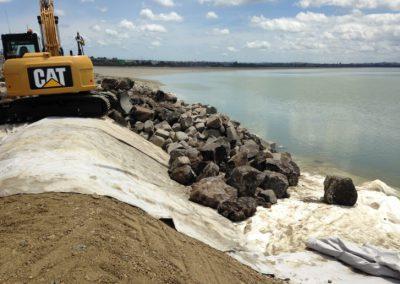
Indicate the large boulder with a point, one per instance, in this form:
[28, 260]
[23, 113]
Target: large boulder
[210, 170]
[186, 121]
[251, 147]
[245, 179]
[212, 191]
[237, 160]
[282, 163]
[238, 210]
[232, 135]
[124, 84]
[340, 191]
[183, 175]
[260, 160]
[216, 150]
[142, 114]
[214, 122]
[157, 140]
[109, 84]
[265, 197]
[160, 96]
[276, 182]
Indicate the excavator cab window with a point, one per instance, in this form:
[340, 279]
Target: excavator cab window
[16, 45]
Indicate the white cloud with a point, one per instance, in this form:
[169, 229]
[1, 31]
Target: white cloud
[165, 3]
[358, 4]
[153, 28]
[279, 24]
[231, 2]
[217, 31]
[258, 44]
[111, 32]
[102, 9]
[342, 34]
[211, 15]
[300, 23]
[4, 1]
[59, 12]
[170, 17]
[83, 1]
[232, 49]
[96, 28]
[126, 24]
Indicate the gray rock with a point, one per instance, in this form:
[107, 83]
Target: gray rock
[251, 147]
[173, 146]
[109, 84]
[212, 191]
[183, 175]
[145, 135]
[267, 196]
[124, 84]
[340, 191]
[157, 140]
[208, 133]
[179, 162]
[260, 160]
[211, 110]
[286, 167]
[142, 114]
[191, 131]
[186, 122]
[238, 210]
[276, 182]
[214, 122]
[210, 170]
[162, 133]
[176, 127]
[162, 96]
[200, 126]
[216, 150]
[245, 179]
[139, 126]
[232, 135]
[164, 125]
[149, 126]
[181, 136]
[237, 160]
[117, 117]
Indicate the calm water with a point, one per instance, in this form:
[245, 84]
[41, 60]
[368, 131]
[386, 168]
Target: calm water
[348, 119]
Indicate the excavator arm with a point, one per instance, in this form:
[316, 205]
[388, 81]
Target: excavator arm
[48, 23]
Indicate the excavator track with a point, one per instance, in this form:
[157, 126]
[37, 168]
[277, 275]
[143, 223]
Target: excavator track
[32, 109]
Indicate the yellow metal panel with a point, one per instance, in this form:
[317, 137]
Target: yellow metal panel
[17, 78]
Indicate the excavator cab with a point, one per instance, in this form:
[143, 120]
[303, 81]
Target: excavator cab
[17, 45]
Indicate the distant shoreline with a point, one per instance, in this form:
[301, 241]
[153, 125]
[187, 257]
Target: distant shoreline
[102, 61]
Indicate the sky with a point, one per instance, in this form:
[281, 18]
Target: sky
[329, 31]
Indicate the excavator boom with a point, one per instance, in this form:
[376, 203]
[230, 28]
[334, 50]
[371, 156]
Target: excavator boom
[48, 23]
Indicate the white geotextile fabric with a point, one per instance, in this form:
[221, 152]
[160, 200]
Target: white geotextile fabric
[367, 258]
[96, 156]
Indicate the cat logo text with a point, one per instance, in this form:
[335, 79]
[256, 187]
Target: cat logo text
[50, 77]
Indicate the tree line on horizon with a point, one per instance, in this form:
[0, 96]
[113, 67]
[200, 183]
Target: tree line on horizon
[104, 61]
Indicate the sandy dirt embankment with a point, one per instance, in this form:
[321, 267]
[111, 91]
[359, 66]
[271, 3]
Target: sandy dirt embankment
[73, 238]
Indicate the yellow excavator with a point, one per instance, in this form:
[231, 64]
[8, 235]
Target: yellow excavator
[42, 82]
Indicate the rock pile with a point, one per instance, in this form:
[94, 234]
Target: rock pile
[229, 168]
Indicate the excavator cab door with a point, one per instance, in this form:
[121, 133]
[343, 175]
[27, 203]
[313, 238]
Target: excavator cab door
[16, 45]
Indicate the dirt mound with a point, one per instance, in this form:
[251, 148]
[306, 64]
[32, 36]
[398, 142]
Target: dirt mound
[72, 238]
